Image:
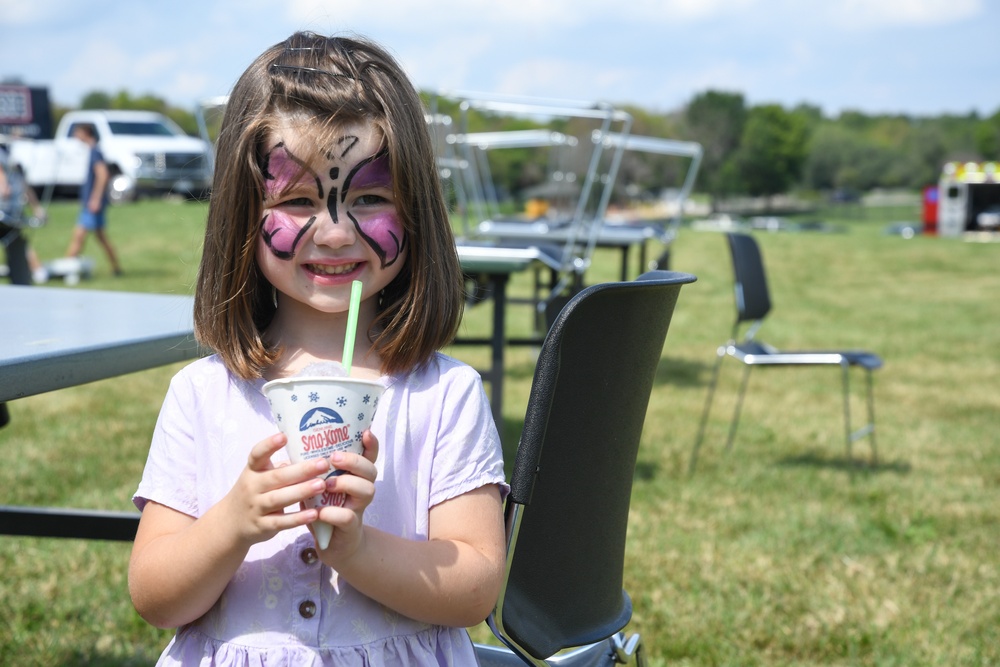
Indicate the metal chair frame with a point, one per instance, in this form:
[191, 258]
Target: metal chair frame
[752, 305]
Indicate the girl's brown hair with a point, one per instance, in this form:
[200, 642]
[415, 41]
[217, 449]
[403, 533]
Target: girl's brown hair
[330, 82]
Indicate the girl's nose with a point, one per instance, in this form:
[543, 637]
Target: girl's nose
[333, 229]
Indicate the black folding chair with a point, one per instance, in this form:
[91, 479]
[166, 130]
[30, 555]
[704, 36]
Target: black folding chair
[753, 303]
[567, 512]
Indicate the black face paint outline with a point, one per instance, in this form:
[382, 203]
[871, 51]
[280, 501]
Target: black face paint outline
[401, 243]
[331, 202]
[331, 199]
[268, 176]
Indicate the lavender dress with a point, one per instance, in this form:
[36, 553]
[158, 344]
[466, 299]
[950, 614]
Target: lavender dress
[283, 607]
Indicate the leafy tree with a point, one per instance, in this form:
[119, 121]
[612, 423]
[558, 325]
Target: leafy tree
[96, 99]
[772, 150]
[716, 119]
[987, 137]
[923, 153]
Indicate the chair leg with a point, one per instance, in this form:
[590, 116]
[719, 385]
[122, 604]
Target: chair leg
[869, 428]
[739, 407]
[720, 354]
[845, 370]
[871, 416]
[627, 650]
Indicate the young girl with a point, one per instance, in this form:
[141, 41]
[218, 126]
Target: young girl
[325, 176]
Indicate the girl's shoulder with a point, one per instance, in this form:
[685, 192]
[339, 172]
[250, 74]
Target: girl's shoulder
[439, 369]
[207, 372]
[208, 367]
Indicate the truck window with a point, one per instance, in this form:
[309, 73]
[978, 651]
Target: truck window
[140, 128]
[72, 129]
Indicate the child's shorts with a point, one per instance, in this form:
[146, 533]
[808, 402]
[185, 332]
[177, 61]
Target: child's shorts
[91, 221]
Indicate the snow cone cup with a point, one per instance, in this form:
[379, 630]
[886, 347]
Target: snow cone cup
[321, 415]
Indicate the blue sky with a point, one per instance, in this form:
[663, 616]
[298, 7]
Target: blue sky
[918, 57]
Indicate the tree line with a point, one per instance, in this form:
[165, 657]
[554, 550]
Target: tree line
[754, 150]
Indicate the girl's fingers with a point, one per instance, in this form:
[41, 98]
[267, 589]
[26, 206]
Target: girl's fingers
[278, 500]
[284, 520]
[355, 464]
[287, 485]
[260, 456]
[358, 492]
[370, 443]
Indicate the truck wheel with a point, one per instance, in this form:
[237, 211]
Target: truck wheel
[121, 189]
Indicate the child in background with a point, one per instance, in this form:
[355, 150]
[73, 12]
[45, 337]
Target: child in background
[325, 175]
[93, 199]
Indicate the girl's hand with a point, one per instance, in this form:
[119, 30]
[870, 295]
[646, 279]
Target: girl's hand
[256, 503]
[358, 487]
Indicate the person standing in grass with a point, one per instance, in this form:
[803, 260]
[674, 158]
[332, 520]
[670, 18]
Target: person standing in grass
[325, 175]
[93, 199]
[16, 196]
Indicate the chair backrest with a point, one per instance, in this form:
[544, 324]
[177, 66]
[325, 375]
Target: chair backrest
[572, 479]
[753, 301]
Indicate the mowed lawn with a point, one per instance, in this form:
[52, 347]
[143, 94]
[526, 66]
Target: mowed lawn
[781, 552]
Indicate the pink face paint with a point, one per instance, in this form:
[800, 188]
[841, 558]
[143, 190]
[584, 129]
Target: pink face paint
[282, 170]
[373, 172]
[281, 235]
[384, 232]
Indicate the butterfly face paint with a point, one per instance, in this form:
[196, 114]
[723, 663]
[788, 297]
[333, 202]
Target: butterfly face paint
[363, 196]
[280, 232]
[380, 228]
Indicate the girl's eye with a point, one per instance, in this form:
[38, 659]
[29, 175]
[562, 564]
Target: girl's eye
[297, 201]
[370, 200]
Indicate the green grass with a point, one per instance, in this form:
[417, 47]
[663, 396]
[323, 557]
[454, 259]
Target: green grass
[781, 552]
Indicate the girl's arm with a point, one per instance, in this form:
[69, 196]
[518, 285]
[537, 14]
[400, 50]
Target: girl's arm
[180, 565]
[453, 578]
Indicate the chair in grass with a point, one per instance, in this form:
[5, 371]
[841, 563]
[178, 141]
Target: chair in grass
[567, 512]
[753, 303]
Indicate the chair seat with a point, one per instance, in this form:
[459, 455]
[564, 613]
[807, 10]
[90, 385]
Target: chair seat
[757, 352]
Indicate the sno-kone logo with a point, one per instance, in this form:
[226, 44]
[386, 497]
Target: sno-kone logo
[323, 429]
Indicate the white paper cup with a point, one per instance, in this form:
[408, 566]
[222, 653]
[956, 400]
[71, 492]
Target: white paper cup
[321, 415]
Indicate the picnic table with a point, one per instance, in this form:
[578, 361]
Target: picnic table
[622, 237]
[56, 338]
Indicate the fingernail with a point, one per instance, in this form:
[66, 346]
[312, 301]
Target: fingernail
[321, 465]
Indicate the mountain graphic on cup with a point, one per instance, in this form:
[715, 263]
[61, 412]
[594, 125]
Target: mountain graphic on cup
[321, 415]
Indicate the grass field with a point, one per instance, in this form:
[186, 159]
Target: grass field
[781, 552]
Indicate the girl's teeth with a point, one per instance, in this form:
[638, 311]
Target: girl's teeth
[332, 270]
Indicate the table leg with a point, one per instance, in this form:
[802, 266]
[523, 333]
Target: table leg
[497, 344]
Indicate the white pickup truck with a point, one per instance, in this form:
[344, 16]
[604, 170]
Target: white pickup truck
[146, 152]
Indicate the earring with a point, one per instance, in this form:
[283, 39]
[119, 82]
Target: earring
[274, 296]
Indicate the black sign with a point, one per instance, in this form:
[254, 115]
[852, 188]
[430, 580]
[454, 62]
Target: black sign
[25, 112]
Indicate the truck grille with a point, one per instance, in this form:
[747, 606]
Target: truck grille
[164, 166]
[187, 161]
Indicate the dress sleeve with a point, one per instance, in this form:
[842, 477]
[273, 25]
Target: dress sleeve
[170, 475]
[468, 452]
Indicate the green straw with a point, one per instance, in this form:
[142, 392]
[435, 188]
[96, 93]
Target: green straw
[352, 325]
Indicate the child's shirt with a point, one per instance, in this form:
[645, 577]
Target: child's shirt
[437, 440]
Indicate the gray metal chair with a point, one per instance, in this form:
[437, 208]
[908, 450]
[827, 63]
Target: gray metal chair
[567, 512]
[753, 303]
